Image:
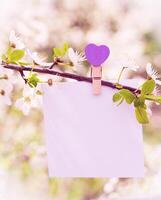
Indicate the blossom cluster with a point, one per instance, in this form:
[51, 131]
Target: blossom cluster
[32, 93]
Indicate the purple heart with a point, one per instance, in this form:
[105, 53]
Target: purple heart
[96, 55]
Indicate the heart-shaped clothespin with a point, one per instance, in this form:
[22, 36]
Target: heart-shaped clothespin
[96, 55]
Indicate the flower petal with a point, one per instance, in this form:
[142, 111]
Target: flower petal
[158, 82]
[71, 54]
[149, 69]
[28, 91]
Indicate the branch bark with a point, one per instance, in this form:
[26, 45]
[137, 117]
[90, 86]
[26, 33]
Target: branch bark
[41, 69]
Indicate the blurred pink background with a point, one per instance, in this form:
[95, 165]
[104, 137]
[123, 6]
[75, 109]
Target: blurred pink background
[132, 30]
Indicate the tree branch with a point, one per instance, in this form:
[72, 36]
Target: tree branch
[40, 69]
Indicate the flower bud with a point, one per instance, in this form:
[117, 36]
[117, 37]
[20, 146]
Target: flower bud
[50, 82]
[2, 92]
[5, 77]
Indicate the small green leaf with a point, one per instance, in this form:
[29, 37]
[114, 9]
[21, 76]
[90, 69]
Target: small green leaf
[57, 52]
[4, 58]
[141, 115]
[148, 87]
[121, 101]
[139, 101]
[158, 99]
[154, 98]
[33, 80]
[60, 52]
[65, 47]
[122, 95]
[127, 95]
[116, 97]
[16, 55]
[9, 51]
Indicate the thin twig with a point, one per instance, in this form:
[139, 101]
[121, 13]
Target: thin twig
[23, 75]
[40, 69]
[54, 63]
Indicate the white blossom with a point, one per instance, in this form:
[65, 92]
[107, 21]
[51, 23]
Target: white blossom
[5, 92]
[152, 73]
[76, 58]
[30, 99]
[36, 59]
[15, 40]
[7, 80]
[157, 91]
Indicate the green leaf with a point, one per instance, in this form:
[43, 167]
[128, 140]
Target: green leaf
[16, 55]
[141, 115]
[127, 95]
[116, 97]
[33, 80]
[158, 99]
[148, 87]
[9, 51]
[121, 101]
[139, 101]
[122, 95]
[57, 52]
[65, 47]
[154, 98]
[4, 58]
[60, 52]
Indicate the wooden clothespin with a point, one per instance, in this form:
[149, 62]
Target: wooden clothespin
[96, 73]
[96, 55]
